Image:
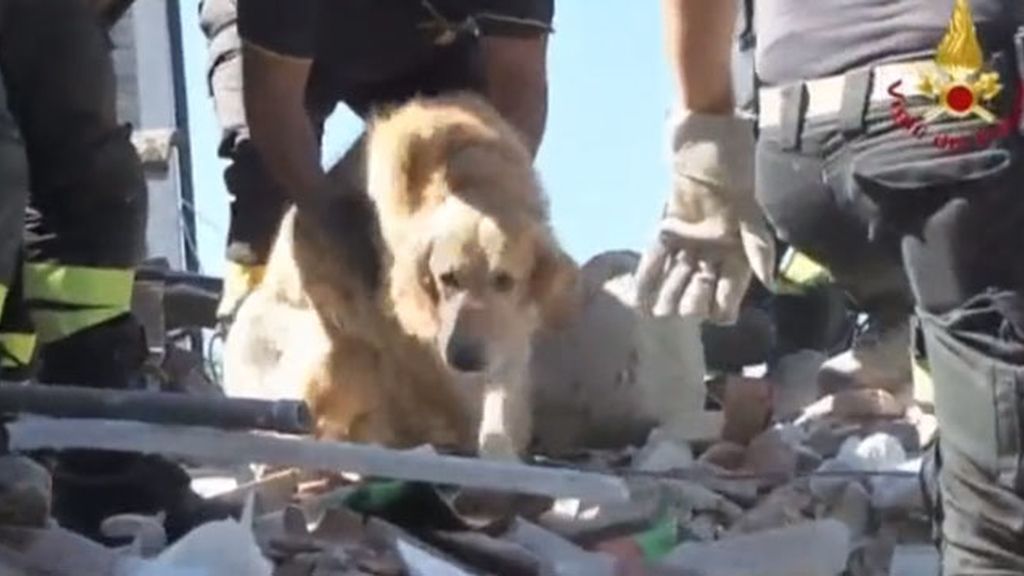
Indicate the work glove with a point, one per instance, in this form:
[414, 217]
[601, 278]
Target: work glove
[712, 234]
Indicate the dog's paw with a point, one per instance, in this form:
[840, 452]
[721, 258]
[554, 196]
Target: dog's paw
[498, 446]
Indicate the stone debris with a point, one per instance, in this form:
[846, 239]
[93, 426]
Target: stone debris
[806, 549]
[24, 492]
[823, 495]
[734, 476]
[747, 409]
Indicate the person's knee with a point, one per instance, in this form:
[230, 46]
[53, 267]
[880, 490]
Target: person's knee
[103, 211]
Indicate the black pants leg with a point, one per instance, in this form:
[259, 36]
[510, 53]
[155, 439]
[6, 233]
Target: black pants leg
[955, 219]
[17, 341]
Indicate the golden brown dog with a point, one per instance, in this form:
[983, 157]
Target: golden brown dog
[439, 351]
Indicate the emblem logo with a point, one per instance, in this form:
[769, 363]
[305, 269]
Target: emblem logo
[960, 85]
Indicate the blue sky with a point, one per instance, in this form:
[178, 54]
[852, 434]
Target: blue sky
[603, 160]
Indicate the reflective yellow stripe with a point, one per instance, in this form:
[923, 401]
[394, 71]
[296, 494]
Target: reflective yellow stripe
[18, 348]
[921, 375]
[239, 281]
[244, 277]
[53, 325]
[798, 272]
[85, 286]
[92, 295]
[3, 298]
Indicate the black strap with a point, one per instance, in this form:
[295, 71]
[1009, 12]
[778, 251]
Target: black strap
[748, 36]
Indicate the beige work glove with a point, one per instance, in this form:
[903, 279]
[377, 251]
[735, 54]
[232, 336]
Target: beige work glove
[712, 233]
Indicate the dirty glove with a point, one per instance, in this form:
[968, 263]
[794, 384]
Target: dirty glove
[712, 233]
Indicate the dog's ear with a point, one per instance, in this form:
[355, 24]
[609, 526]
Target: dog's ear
[414, 293]
[424, 277]
[555, 284]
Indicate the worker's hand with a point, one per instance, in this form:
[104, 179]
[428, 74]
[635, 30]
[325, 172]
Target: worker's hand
[712, 234]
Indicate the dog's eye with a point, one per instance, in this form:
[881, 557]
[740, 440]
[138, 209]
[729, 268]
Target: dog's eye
[503, 282]
[449, 280]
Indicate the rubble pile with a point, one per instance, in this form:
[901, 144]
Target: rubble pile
[772, 475]
[833, 490]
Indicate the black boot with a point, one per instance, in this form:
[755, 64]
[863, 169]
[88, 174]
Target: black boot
[92, 485]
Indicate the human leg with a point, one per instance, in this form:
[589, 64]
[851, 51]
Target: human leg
[17, 340]
[85, 233]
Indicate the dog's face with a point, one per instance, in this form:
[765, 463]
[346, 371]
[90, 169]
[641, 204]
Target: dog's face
[492, 284]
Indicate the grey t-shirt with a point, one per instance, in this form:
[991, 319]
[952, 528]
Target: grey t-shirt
[805, 39]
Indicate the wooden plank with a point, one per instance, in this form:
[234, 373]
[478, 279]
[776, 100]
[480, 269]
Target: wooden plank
[220, 446]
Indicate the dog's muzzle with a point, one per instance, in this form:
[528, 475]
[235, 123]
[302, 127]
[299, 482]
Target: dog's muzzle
[465, 356]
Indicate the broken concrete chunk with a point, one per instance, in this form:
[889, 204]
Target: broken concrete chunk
[614, 374]
[826, 437]
[915, 561]
[771, 455]
[739, 488]
[703, 528]
[871, 557]
[590, 524]
[491, 555]
[725, 455]
[787, 505]
[899, 492]
[831, 478]
[559, 556]
[809, 549]
[418, 562]
[867, 403]
[662, 454]
[853, 508]
[25, 492]
[853, 404]
[875, 453]
[698, 499]
[747, 408]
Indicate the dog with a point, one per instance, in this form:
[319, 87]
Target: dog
[436, 348]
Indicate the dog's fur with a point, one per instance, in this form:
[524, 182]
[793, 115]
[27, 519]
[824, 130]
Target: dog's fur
[437, 351]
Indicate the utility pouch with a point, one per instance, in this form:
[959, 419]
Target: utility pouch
[977, 362]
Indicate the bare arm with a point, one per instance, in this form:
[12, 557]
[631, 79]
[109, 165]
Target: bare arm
[275, 89]
[698, 42]
[517, 83]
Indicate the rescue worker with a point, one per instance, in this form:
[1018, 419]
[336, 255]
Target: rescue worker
[301, 61]
[888, 132]
[73, 210]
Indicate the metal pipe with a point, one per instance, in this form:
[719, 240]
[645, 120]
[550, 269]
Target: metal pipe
[287, 416]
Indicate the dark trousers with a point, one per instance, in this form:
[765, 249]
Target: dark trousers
[69, 258]
[258, 204]
[885, 211]
[85, 190]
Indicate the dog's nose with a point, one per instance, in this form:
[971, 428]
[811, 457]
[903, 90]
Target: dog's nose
[465, 357]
